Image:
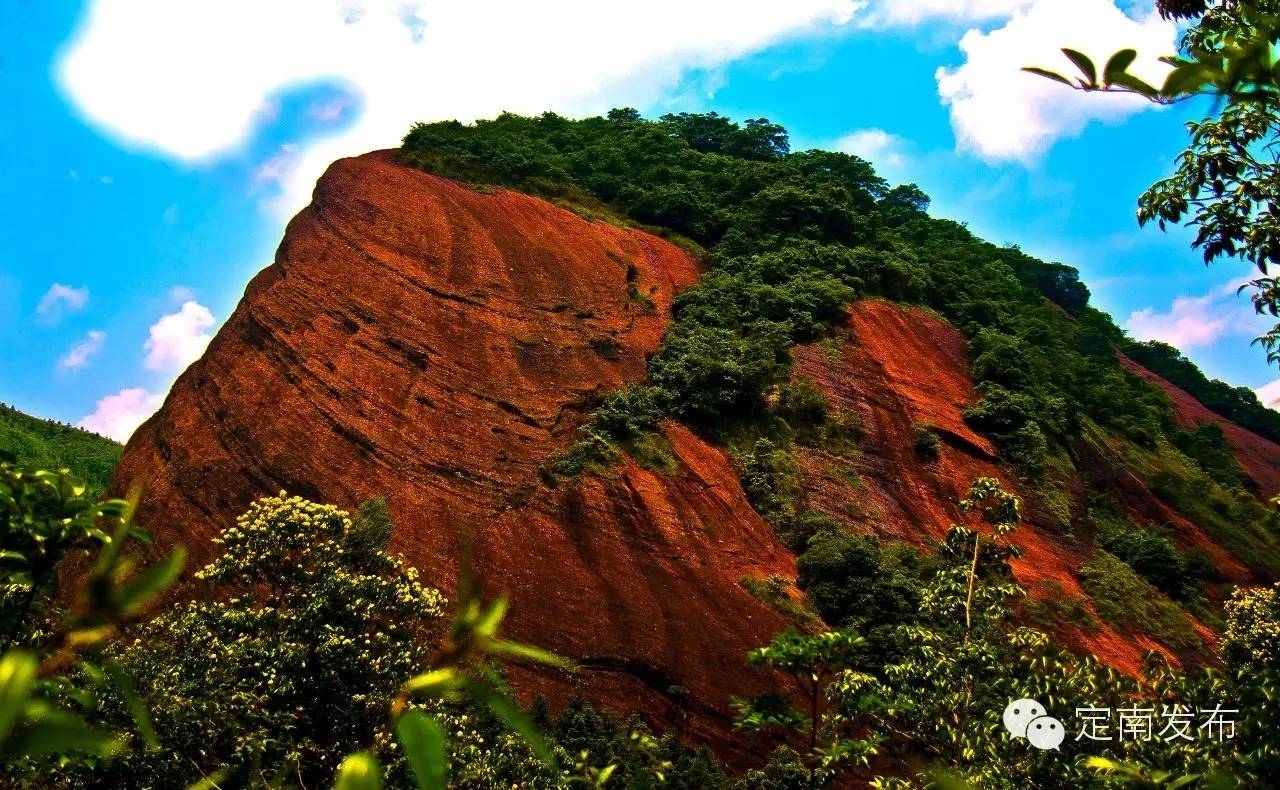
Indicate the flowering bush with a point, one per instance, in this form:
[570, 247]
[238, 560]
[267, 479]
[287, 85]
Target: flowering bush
[290, 664]
[1252, 638]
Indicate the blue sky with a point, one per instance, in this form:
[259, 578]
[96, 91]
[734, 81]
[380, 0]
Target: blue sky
[151, 156]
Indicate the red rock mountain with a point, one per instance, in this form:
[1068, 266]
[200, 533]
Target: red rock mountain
[423, 340]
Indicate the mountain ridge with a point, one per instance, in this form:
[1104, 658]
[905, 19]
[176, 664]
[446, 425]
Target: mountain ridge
[437, 343]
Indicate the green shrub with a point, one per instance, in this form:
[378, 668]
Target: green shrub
[1124, 600]
[1051, 605]
[713, 373]
[1207, 446]
[1252, 638]
[804, 407]
[769, 479]
[796, 532]
[774, 592]
[599, 739]
[842, 432]
[927, 442]
[290, 663]
[1152, 554]
[856, 580]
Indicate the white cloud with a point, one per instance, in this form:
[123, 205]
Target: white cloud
[877, 146]
[80, 353]
[1194, 321]
[402, 60]
[1269, 394]
[1000, 112]
[61, 299]
[120, 414]
[912, 12]
[277, 165]
[178, 339]
[330, 111]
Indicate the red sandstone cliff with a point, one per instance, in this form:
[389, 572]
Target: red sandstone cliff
[419, 339]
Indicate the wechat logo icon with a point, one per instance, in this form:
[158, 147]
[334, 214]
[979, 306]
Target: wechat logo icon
[1026, 718]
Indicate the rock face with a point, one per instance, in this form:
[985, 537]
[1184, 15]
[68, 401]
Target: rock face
[901, 367]
[421, 340]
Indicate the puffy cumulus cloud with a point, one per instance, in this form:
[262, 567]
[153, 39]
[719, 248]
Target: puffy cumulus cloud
[178, 339]
[61, 299]
[1196, 321]
[1000, 112]
[877, 146]
[192, 78]
[81, 352]
[1269, 394]
[119, 415]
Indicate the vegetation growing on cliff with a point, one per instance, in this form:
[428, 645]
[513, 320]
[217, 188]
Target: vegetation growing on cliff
[792, 237]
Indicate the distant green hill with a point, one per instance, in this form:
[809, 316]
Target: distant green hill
[53, 445]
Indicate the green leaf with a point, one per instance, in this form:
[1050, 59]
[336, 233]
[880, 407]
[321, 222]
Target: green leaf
[57, 732]
[488, 623]
[1136, 85]
[433, 683]
[1053, 75]
[137, 592]
[424, 749]
[1185, 79]
[537, 654]
[360, 771]
[1084, 64]
[514, 718]
[124, 684]
[1118, 64]
[212, 781]
[17, 675]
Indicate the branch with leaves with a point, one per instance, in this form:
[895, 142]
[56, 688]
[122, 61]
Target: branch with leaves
[1227, 182]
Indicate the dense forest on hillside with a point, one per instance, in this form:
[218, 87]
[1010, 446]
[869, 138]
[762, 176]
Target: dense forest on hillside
[54, 445]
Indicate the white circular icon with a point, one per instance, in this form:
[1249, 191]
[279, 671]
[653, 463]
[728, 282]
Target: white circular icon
[1019, 713]
[1045, 732]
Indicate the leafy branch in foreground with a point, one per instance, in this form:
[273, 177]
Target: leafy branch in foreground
[44, 517]
[1227, 182]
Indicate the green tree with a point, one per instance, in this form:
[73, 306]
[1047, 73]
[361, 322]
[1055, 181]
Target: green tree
[811, 662]
[292, 661]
